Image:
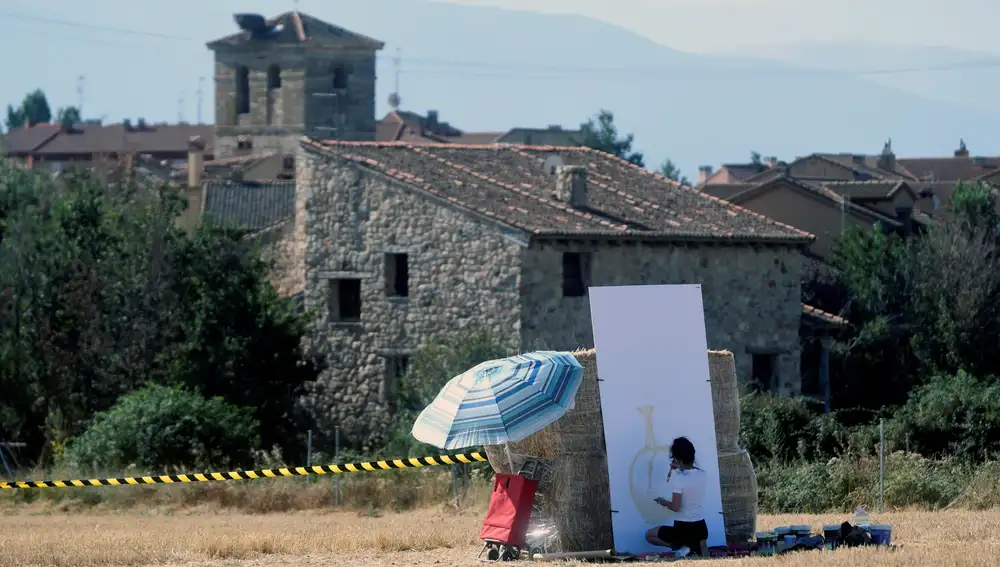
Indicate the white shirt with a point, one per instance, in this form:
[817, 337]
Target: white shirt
[690, 484]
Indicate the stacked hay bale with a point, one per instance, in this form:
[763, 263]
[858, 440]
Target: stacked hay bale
[576, 495]
[737, 478]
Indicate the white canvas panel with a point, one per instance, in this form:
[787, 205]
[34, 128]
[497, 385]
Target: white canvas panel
[652, 360]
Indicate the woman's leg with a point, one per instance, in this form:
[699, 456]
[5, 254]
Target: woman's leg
[654, 536]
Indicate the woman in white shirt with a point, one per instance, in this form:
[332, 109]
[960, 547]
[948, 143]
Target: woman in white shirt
[686, 485]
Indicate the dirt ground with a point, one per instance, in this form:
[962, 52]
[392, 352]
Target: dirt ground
[435, 537]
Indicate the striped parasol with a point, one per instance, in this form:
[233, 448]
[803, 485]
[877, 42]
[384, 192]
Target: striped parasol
[501, 401]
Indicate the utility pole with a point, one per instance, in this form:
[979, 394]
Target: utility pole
[80, 81]
[180, 108]
[201, 92]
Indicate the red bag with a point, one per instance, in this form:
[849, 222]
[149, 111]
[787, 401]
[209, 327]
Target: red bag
[510, 509]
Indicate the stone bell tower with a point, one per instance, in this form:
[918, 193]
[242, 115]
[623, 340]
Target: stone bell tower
[279, 79]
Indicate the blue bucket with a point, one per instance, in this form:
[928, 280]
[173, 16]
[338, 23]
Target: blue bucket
[881, 534]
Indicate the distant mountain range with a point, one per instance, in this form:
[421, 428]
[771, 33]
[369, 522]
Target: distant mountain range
[488, 69]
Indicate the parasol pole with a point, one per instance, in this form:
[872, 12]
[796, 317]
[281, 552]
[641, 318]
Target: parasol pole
[506, 451]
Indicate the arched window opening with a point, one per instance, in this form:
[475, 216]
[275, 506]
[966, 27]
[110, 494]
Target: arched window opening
[339, 77]
[274, 77]
[243, 90]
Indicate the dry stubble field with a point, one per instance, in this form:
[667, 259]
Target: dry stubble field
[430, 537]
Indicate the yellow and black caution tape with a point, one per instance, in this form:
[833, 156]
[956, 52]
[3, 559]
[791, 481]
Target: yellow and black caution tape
[248, 475]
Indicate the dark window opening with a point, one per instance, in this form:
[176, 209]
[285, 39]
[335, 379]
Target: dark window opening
[345, 301]
[274, 77]
[576, 276]
[763, 371]
[397, 275]
[340, 77]
[244, 143]
[242, 91]
[396, 369]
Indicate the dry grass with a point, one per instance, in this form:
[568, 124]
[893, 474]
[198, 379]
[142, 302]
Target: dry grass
[439, 536]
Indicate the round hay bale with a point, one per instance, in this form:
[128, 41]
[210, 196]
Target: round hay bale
[725, 399]
[738, 482]
[580, 502]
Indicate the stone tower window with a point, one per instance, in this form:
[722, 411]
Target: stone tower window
[274, 77]
[396, 368]
[576, 274]
[344, 300]
[242, 90]
[340, 77]
[397, 275]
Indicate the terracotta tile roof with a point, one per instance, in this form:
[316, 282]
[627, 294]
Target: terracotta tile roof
[250, 205]
[297, 27]
[830, 318]
[742, 171]
[877, 189]
[23, 141]
[510, 185]
[223, 168]
[950, 168]
[725, 190]
[87, 139]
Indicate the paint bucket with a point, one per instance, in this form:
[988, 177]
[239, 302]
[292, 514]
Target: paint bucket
[767, 543]
[802, 531]
[881, 534]
[831, 537]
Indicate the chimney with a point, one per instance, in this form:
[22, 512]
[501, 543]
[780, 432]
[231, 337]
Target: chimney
[887, 159]
[704, 172]
[571, 185]
[962, 151]
[771, 161]
[432, 120]
[196, 161]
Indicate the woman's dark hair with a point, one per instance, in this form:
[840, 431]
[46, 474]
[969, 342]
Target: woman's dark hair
[682, 450]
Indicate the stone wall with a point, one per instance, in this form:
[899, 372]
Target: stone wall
[751, 296]
[463, 276]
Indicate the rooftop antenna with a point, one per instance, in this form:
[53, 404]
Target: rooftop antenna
[201, 82]
[394, 98]
[180, 108]
[80, 81]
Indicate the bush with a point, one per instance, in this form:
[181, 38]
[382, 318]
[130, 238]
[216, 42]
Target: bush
[839, 485]
[776, 428]
[951, 416]
[159, 428]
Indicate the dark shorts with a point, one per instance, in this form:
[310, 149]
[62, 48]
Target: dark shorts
[681, 534]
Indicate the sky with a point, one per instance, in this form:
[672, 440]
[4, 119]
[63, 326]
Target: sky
[707, 26]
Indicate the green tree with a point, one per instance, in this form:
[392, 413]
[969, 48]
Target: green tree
[600, 133]
[669, 170]
[100, 294]
[68, 115]
[925, 305]
[755, 158]
[34, 109]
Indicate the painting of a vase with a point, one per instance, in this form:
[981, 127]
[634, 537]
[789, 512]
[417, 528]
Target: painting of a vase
[648, 474]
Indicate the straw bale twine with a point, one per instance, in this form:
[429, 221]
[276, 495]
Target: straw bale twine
[725, 399]
[738, 482]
